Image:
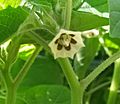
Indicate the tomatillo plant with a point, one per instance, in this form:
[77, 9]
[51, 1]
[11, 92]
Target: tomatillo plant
[68, 35]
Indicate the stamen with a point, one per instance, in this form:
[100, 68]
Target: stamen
[72, 35]
[56, 41]
[59, 46]
[73, 41]
[68, 47]
[63, 34]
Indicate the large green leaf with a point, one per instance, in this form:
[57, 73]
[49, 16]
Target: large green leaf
[84, 21]
[114, 18]
[43, 71]
[48, 95]
[86, 55]
[10, 20]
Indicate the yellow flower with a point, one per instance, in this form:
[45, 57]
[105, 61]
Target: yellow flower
[66, 44]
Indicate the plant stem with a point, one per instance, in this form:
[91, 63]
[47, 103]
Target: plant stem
[115, 84]
[11, 91]
[20, 76]
[101, 68]
[12, 85]
[11, 94]
[72, 80]
[77, 95]
[97, 88]
[68, 14]
[68, 71]
[77, 90]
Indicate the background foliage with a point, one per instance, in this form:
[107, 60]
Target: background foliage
[45, 82]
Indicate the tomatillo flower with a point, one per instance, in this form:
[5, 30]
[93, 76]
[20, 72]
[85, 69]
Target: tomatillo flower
[66, 44]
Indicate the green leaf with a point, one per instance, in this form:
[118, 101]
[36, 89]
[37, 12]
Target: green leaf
[18, 101]
[98, 97]
[100, 5]
[113, 44]
[77, 3]
[86, 55]
[48, 19]
[114, 18]
[53, 3]
[2, 101]
[48, 95]
[43, 2]
[43, 71]
[16, 67]
[13, 3]
[26, 50]
[82, 21]
[10, 20]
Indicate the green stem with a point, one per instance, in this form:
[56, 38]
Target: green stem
[68, 71]
[11, 85]
[77, 95]
[101, 68]
[93, 90]
[11, 94]
[68, 14]
[72, 79]
[39, 40]
[26, 67]
[11, 91]
[115, 84]
[77, 90]
[6, 75]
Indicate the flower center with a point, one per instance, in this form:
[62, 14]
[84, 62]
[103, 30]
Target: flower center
[64, 41]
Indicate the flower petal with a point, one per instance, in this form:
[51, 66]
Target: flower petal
[66, 51]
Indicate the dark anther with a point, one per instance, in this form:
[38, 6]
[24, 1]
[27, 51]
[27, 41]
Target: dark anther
[63, 34]
[91, 34]
[73, 41]
[56, 41]
[72, 35]
[68, 47]
[59, 46]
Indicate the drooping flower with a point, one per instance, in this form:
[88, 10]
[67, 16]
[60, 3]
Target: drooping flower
[66, 44]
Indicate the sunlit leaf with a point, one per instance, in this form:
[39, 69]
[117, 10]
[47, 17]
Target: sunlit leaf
[13, 3]
[10, 20]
